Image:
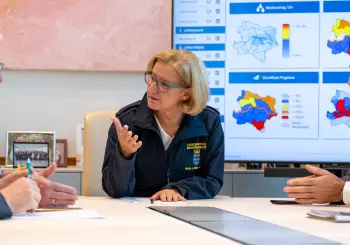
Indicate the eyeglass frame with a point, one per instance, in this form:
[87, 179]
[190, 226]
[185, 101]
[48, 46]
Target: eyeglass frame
[170, 85]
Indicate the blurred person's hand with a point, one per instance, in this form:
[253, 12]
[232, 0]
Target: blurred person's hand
[22, 195]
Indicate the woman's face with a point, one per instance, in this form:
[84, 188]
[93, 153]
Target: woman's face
[171, 99]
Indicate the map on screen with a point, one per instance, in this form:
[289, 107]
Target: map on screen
[279, 74]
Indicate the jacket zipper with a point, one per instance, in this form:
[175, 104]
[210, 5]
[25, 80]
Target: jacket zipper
[170, 162]
[168, 171]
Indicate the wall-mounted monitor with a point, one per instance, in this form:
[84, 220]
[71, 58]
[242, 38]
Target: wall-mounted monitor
[278, 74]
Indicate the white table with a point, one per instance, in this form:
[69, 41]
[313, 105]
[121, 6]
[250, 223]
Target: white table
[132, 223]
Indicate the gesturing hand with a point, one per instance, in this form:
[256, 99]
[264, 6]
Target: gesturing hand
[168, 195]
[128, 143]
[55, 194]
[321, 187]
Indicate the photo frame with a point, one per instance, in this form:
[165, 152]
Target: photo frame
[61, 153]
[29, 137]
[79, 145]
[37, 152]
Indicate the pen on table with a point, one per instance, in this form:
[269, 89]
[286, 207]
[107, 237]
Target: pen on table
[152, 201]
[28, 168]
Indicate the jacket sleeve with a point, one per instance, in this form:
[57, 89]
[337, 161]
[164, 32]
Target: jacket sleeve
[5, 211]
[346, 177]
[210, 181]
[118, 173]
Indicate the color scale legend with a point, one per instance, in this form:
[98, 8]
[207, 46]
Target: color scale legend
[285, 110]
[285, 40]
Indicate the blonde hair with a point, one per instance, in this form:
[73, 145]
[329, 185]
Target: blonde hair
[192, 74]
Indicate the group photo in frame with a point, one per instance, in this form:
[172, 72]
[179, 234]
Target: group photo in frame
[61, 153]
[28, 140]
[37, 152]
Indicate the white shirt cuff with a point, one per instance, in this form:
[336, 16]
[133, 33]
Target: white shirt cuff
[346, 193]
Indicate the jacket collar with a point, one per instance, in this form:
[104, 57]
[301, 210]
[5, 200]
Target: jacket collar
[144, 115]
[191, 126]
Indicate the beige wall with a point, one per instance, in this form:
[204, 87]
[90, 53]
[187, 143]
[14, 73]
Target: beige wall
[57, 101]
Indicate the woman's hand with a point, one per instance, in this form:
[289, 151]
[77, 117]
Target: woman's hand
[128, 143]
[168, 195]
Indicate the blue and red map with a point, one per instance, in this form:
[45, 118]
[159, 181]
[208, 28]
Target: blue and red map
[340, 43]
[341, 115]
[255, 110]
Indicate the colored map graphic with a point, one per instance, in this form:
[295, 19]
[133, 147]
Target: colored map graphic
[255, 40]
[255, 110]
[340, 42]
[341, 115]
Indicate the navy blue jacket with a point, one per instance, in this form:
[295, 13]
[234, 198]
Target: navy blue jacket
[193, 163]
[5, 211]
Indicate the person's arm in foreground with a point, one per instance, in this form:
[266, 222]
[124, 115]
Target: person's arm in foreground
[118, 173]
[7, 179]
[20, 196]
[210, 181]
[5, 211]
[321, 187]
[53, 195]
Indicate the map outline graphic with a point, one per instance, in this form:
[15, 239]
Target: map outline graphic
[255, 40]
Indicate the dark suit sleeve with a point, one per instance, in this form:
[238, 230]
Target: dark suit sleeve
[5, 211]
[118, 173]
[210, 181]
[346, 177]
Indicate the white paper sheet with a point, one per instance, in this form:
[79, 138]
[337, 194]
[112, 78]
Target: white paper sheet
[336, 216]
[136, 200]
[147, 201]
[60, 215]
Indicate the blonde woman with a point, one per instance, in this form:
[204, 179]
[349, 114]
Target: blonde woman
[169, 146]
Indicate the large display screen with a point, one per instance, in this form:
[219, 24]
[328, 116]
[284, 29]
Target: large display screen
[279, 74]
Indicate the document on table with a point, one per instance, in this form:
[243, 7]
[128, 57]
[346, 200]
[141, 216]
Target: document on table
[59, 215]
[56, 209]
[135, 200]
[336, 216]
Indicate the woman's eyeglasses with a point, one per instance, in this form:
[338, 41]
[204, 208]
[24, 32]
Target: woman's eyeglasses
[162, 86]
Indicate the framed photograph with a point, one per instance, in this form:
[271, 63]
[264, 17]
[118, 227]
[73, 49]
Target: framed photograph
[37, 152]
[29, 137]
[79, 146]
[61, 153]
